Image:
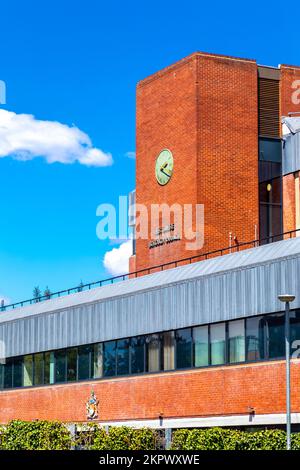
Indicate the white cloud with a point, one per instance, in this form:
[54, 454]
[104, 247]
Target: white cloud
[116, 261]
[23, 137]
[130, 155]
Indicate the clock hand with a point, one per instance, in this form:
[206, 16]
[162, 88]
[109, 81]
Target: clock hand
[167, 174]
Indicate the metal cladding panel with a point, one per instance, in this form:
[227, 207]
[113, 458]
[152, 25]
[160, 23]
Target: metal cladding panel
[229, 287]
[291, 154]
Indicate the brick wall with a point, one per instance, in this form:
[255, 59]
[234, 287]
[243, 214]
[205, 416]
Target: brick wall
[289, 75]
[288, 203]
[217, 391]
[204, 109]
[228, 148]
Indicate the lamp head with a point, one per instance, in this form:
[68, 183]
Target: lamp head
[286, 298]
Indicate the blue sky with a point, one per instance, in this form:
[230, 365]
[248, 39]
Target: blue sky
[78, 63]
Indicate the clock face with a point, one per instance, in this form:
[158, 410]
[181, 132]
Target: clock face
[164, 167]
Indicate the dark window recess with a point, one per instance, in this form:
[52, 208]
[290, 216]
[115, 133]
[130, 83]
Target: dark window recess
[255, 339]
[38, 369]
[184, 348]
[60, 366]
[8, 369]
[275, 336]
[138, 355]
[84, 353]
[270, 210]
[295, 333]
[71, 364]
[123, 357]
[18, 372]
[109, 359]
[153, 353]
[47, 362]
[270, 150]
[268, 107]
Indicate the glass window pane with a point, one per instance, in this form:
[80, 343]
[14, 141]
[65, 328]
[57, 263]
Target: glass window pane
[217, 344]
[97, 360]
[123, 357]
[109, 358]
[153, 353]
[295, 333]
[1, 375]
[255, 342]
[60, 366]
[38, 369]
[184, 345]
[201, 346]
[71, 364]
[169, 350]
[236, 332]
[138, 355]
[28, 371]
[18, 372]
[8, 373]
[84, 362]
[275, 335]
[49, 367]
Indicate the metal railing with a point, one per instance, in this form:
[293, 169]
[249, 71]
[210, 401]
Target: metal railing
[142, 272]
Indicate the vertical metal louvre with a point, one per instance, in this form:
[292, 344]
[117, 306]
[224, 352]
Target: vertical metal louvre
[268, 106]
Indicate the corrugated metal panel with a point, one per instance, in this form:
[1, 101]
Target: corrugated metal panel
[231, 286]
[268, 107]
[291, 154]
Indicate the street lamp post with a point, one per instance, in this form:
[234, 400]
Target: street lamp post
[287, 299]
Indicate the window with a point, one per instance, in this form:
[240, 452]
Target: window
[137, 355]
[8, 373]
[295, 333]
[201, 346]
[18, 372]
[153, 353]
[217, 343]
[275, 336]
[97, 360]
[184, 348]
[270, 209]
[84, 360]
[49, 368]
[109, 358]
[71, 364]
[1, 375]
[38, 369]
[60, 366]
[123, 357]
[28, 371]
[255, 342]
[169, 350]
[236, 334]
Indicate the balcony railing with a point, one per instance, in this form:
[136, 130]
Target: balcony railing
[171, 264]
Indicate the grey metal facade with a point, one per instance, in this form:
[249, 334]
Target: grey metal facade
[291, 148]
[228, 287]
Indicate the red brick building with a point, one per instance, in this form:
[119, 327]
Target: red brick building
[200, 344]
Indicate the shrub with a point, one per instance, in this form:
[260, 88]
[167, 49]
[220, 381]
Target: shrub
[230, 439]
[35, 435]
[124, 438]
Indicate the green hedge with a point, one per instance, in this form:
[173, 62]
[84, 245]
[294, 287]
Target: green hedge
[53, 435]
[124, 438]
[35, 435]
[229, 439]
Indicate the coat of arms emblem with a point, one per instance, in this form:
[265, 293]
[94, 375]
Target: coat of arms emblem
[92, 407]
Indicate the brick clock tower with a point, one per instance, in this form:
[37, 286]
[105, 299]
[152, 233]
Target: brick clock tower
[197, 142]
